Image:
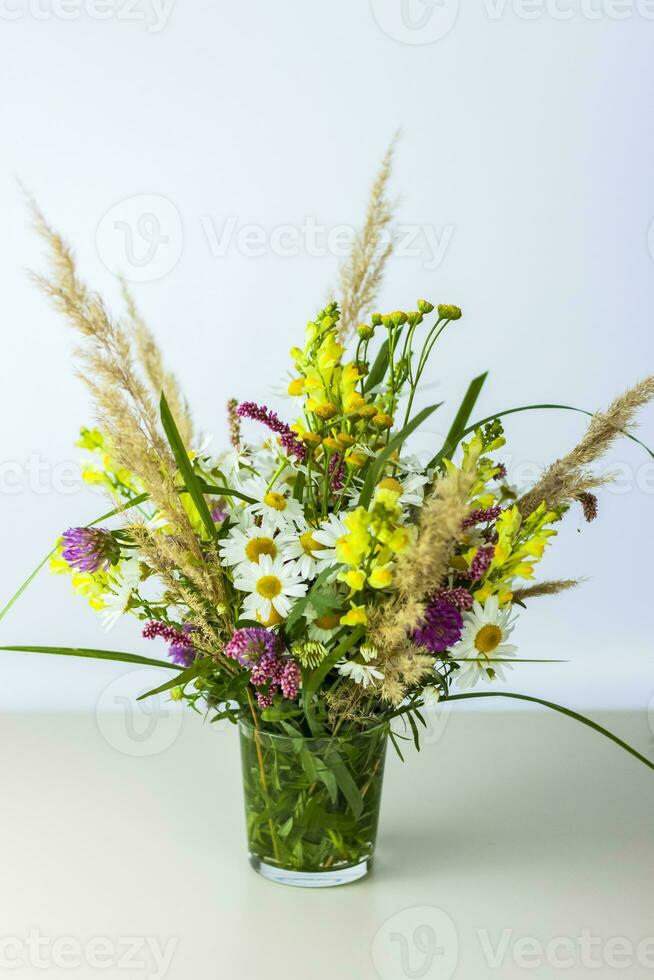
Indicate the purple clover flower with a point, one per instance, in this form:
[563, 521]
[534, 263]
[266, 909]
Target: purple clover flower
[337, 471]
[181, 650]
[441, 627]
[90, 549]
[481, 562]
[260, 413]
[271, 669]
[482, 516]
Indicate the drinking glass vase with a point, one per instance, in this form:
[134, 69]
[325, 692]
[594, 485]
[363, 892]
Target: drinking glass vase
[312, 804]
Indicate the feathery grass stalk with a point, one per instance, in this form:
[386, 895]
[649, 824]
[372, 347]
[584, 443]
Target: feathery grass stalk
[362, 272]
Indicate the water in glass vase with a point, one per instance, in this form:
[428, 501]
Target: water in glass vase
[312, 804]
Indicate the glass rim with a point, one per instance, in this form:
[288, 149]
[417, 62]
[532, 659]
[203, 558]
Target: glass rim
[365, 732]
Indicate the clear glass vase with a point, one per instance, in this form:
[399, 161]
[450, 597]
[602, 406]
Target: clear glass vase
[312, 804]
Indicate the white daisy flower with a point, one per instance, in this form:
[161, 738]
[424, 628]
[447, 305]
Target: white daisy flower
[327, 535]
[123, 582]
[413, 489]
[485, 632]
[304, 548]
[272, 587]
[277, 506]
[322, 626]
[362, 674]
[247, 542]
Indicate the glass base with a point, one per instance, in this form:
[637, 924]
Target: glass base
[311, 879]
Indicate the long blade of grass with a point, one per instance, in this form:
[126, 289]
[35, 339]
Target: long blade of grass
[223, 491]
[566, 408]
[186, 675]
[87, 653]
[555, 707]
[396, 442]
[457, 429]
[185, 466]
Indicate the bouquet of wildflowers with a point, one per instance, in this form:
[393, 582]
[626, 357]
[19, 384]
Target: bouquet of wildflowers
[316, 581]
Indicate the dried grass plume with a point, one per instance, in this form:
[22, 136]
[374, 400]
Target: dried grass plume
[362, 272]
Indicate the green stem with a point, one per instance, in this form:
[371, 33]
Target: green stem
[262, 775]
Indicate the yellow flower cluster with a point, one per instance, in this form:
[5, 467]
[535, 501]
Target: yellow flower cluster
[91, 586]
[337, 414]
[375, 537]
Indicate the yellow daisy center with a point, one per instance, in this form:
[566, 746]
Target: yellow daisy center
[269, 586]
[488, 638]
[275, 500]
[327, 622]
[309, 543]
[257, 547]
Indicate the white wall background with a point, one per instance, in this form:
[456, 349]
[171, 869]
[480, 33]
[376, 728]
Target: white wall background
[527, 156]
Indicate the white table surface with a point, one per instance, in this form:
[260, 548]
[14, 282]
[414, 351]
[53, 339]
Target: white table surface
[514, 845]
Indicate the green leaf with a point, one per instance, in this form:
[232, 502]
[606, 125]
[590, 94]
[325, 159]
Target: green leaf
[301, 604]
[186, 468]
[377, 467]
[326, 776]
[414, 731]
[379, 367]
[209, 488]
[129, 658]
[456, 432]
[280, 713]
[298, 487]
[565, 408]
[555, 707]
[346, 784]
[104, 517]
[242, 623]
[393, 737]
[186, 675]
